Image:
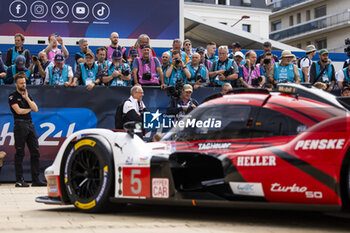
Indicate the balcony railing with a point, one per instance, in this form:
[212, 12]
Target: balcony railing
[280, 4]
[319, 23]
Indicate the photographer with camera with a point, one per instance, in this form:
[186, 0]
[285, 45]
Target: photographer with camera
[223, 70]
[88, 74]
[267, 47]
[267, 64]
[177, 47]
[199, 73]
[117, 73]
[285, 71]
[60, 74]
[343, 77]
[177, 71]
[147, 70]
[323, 71]
[203, 60]
[183, 105]
[39, 68]
[251, 72]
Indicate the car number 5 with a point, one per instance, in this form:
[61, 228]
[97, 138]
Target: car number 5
[135, 181]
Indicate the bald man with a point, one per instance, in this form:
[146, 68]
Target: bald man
[114, 45]
[39, 68]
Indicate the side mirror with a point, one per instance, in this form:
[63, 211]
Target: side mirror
[133, 127]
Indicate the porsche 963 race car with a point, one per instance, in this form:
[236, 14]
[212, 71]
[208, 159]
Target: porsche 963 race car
[251, 148]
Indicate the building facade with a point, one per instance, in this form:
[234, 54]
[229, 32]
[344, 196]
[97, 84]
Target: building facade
[246, 15]
[326, 24]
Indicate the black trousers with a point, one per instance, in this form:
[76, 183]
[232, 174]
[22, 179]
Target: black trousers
[24, 132]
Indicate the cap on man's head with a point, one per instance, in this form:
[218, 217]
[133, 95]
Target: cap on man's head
[145, 46]
[59, 58]
[267, 44]
[200, 50]
[187, 87]
[323, 51]
[236, 45]
[310, 48]
[89, 53]
[133, 52]
[239, 54]
[345, 88]
[117, 54]
[20, 62]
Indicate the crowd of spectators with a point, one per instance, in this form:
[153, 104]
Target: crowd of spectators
[114, 65]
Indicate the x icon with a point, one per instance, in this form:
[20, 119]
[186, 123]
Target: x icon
[59, 10]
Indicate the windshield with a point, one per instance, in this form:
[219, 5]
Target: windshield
[225, 121]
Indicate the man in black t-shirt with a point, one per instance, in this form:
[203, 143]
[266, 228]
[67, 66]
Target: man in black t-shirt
[267, 47]
[21, 104]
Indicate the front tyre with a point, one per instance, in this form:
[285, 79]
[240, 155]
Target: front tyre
[88, 175]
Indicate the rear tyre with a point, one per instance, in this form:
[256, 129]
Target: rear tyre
[88, 175]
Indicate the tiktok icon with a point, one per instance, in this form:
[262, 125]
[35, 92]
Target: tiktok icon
[101, 11]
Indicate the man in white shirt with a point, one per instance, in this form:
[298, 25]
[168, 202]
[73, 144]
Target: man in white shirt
[134, 106]
[306, 62]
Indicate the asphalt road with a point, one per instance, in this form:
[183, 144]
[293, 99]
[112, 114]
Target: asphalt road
[20, 213]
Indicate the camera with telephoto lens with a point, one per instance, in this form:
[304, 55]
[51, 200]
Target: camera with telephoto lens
[200, 78]
[229, 71]
[35, 58]
[175, 91]
[267, 61]
[177, 61]
[256, 81]
[125, 72]
[237, 83]
[147, 76]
